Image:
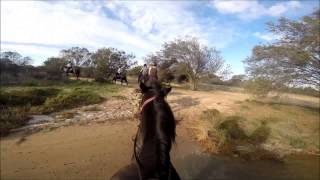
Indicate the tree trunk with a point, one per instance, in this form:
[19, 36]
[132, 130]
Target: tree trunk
[194, 84]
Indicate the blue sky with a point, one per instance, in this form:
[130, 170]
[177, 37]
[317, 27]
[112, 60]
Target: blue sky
[40, 29]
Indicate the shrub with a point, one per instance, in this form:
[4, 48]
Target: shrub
[53, 67]
[260, 135]
[228, 136]
[100, 80]
[166, 75]
[182, 78]
[87, 72]
[297, 143]
[259, 87]
[210, 114]
[75, 98]
[30, 83]
[12, 117]
[24, 97]
[231, 127]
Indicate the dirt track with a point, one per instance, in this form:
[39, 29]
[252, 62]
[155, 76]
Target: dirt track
[96, 150]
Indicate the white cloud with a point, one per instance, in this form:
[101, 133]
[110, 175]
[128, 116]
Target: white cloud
[63, 24]
[252, 9]
[267, 36]
[140, 27]
[37, 53]
[234, 6]
[162, 21]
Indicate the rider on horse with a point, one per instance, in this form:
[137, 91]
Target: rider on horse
[69, 67]
[152, 74]
[144, 73]
[119, 72]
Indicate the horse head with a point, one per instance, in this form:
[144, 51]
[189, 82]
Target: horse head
[152, 92]
[154, 109]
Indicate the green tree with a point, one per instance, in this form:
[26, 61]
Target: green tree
[78, 56]
[53, 66]
[108, 60]
[294, 58]
[16, 58]
[134, 71]
[190, 57]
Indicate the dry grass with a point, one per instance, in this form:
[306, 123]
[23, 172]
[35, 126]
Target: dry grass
[267, 130]
[291, 121]
[292, 126]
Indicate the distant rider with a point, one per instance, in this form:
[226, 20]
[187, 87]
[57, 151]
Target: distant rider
[119, 72]
[153, 72]
[144, 73]
[69, 66]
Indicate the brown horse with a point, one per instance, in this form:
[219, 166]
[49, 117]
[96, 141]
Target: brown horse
[154, 138]
[73, 70]
[121, 77]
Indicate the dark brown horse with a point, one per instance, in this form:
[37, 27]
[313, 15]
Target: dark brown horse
[121, 77]
[154, 138]
[73, 70]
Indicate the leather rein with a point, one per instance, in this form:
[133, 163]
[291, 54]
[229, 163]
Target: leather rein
[146, 102]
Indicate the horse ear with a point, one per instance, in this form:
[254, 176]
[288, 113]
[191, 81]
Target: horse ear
[166, 90]
[143, 87]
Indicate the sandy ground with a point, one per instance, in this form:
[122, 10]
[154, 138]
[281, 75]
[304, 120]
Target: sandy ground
[92, 150]
[97, 150]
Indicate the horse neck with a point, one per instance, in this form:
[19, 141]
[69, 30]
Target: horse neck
[157, 111]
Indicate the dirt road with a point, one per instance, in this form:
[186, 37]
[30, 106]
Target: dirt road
[98, 146]
[91, 150]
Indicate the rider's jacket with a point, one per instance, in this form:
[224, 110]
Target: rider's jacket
[144, 71]
[152, 71]
[69, 65]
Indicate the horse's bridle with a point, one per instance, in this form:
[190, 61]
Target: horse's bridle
[146, 102]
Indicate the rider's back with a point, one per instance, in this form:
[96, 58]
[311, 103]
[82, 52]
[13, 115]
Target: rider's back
[153, 71]
[144, 71]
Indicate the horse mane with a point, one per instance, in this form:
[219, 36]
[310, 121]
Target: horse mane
[160, 113]
[157, 127]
